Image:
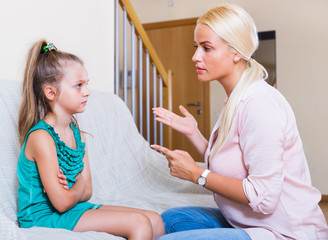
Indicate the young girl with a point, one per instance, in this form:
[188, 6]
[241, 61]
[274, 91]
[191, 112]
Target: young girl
[256, 166]
[53, 166]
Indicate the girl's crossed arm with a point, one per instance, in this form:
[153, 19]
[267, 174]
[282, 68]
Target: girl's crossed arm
[86, 174]
[41, 148]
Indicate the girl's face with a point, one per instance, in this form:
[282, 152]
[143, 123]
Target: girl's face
[74, 91]
[213, 57]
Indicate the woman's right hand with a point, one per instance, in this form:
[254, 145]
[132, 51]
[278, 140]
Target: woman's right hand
[186, 125]
[181, 164]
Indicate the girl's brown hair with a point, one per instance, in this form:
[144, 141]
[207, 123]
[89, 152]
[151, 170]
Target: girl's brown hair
[42, 68]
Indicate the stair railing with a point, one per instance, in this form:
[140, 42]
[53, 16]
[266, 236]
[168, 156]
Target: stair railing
[146, 69]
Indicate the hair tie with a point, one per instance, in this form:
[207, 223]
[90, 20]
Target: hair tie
[47, 47]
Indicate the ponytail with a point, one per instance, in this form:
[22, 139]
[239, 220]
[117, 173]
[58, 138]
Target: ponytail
[44, 66]
[254, 72]
[28, 112]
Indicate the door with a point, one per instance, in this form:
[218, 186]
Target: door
[174, 44]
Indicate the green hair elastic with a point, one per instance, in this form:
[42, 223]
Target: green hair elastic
[49, 47]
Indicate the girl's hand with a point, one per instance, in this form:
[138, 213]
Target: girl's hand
[186, 125]
[62, 179]
[181, 164]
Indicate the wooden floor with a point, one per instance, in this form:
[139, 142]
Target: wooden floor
[324, 207]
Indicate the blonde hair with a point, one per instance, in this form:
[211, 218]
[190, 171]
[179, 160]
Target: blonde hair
[235, 26]
[41, 68]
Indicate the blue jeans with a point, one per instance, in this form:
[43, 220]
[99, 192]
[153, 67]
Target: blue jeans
[199, 223]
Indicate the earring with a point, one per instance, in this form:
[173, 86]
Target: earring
[235, 59]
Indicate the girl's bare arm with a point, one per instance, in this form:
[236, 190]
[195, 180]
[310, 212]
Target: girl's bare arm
[86, 174]
[41, 148]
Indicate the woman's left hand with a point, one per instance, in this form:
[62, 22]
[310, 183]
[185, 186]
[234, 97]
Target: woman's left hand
[181, 164]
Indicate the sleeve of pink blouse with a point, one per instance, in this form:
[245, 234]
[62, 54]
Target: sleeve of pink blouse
[261, 128]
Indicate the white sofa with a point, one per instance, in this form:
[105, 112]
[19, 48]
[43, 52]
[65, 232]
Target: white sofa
[125, 170]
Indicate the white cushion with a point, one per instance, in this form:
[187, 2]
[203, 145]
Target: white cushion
[125, 170]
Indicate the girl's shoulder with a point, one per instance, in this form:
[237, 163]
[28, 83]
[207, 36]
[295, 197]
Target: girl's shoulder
[40, 125]
[38, 140]
[41, 130]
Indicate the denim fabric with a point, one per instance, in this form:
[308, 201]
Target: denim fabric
[199, 223]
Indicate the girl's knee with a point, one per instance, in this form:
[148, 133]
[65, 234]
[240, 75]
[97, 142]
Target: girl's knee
[142, 227]
[156, 218]
[157, 224]
[141, 219]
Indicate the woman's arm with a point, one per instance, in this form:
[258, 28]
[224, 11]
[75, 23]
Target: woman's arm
[263, 131]
[186, 125]
[41, 148]
[183, 166]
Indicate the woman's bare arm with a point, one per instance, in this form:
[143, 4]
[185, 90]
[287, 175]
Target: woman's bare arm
[183, 166]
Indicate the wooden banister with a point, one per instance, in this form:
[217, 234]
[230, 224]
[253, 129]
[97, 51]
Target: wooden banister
[168, 132]
[132, 16]
[147, 123]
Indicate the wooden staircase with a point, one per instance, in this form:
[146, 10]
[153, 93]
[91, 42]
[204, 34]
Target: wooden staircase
[140, 77]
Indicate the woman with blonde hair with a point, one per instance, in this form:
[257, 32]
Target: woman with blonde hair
[255, 163]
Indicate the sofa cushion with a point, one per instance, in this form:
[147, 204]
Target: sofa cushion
[125, 170]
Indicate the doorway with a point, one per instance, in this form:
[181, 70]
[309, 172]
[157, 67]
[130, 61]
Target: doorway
[174, 44]
[266, 55]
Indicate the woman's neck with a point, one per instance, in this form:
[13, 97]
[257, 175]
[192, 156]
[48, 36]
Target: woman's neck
[230, 82]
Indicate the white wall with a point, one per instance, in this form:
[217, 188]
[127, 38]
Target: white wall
[82, 27]
[86, 29]
[302, 50]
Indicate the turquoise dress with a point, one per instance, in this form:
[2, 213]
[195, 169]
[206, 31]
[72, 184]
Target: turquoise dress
[35, 208]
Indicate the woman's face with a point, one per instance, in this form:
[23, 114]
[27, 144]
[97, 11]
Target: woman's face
[213, 57]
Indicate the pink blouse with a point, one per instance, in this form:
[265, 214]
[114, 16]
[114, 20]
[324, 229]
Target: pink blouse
[265, 150]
